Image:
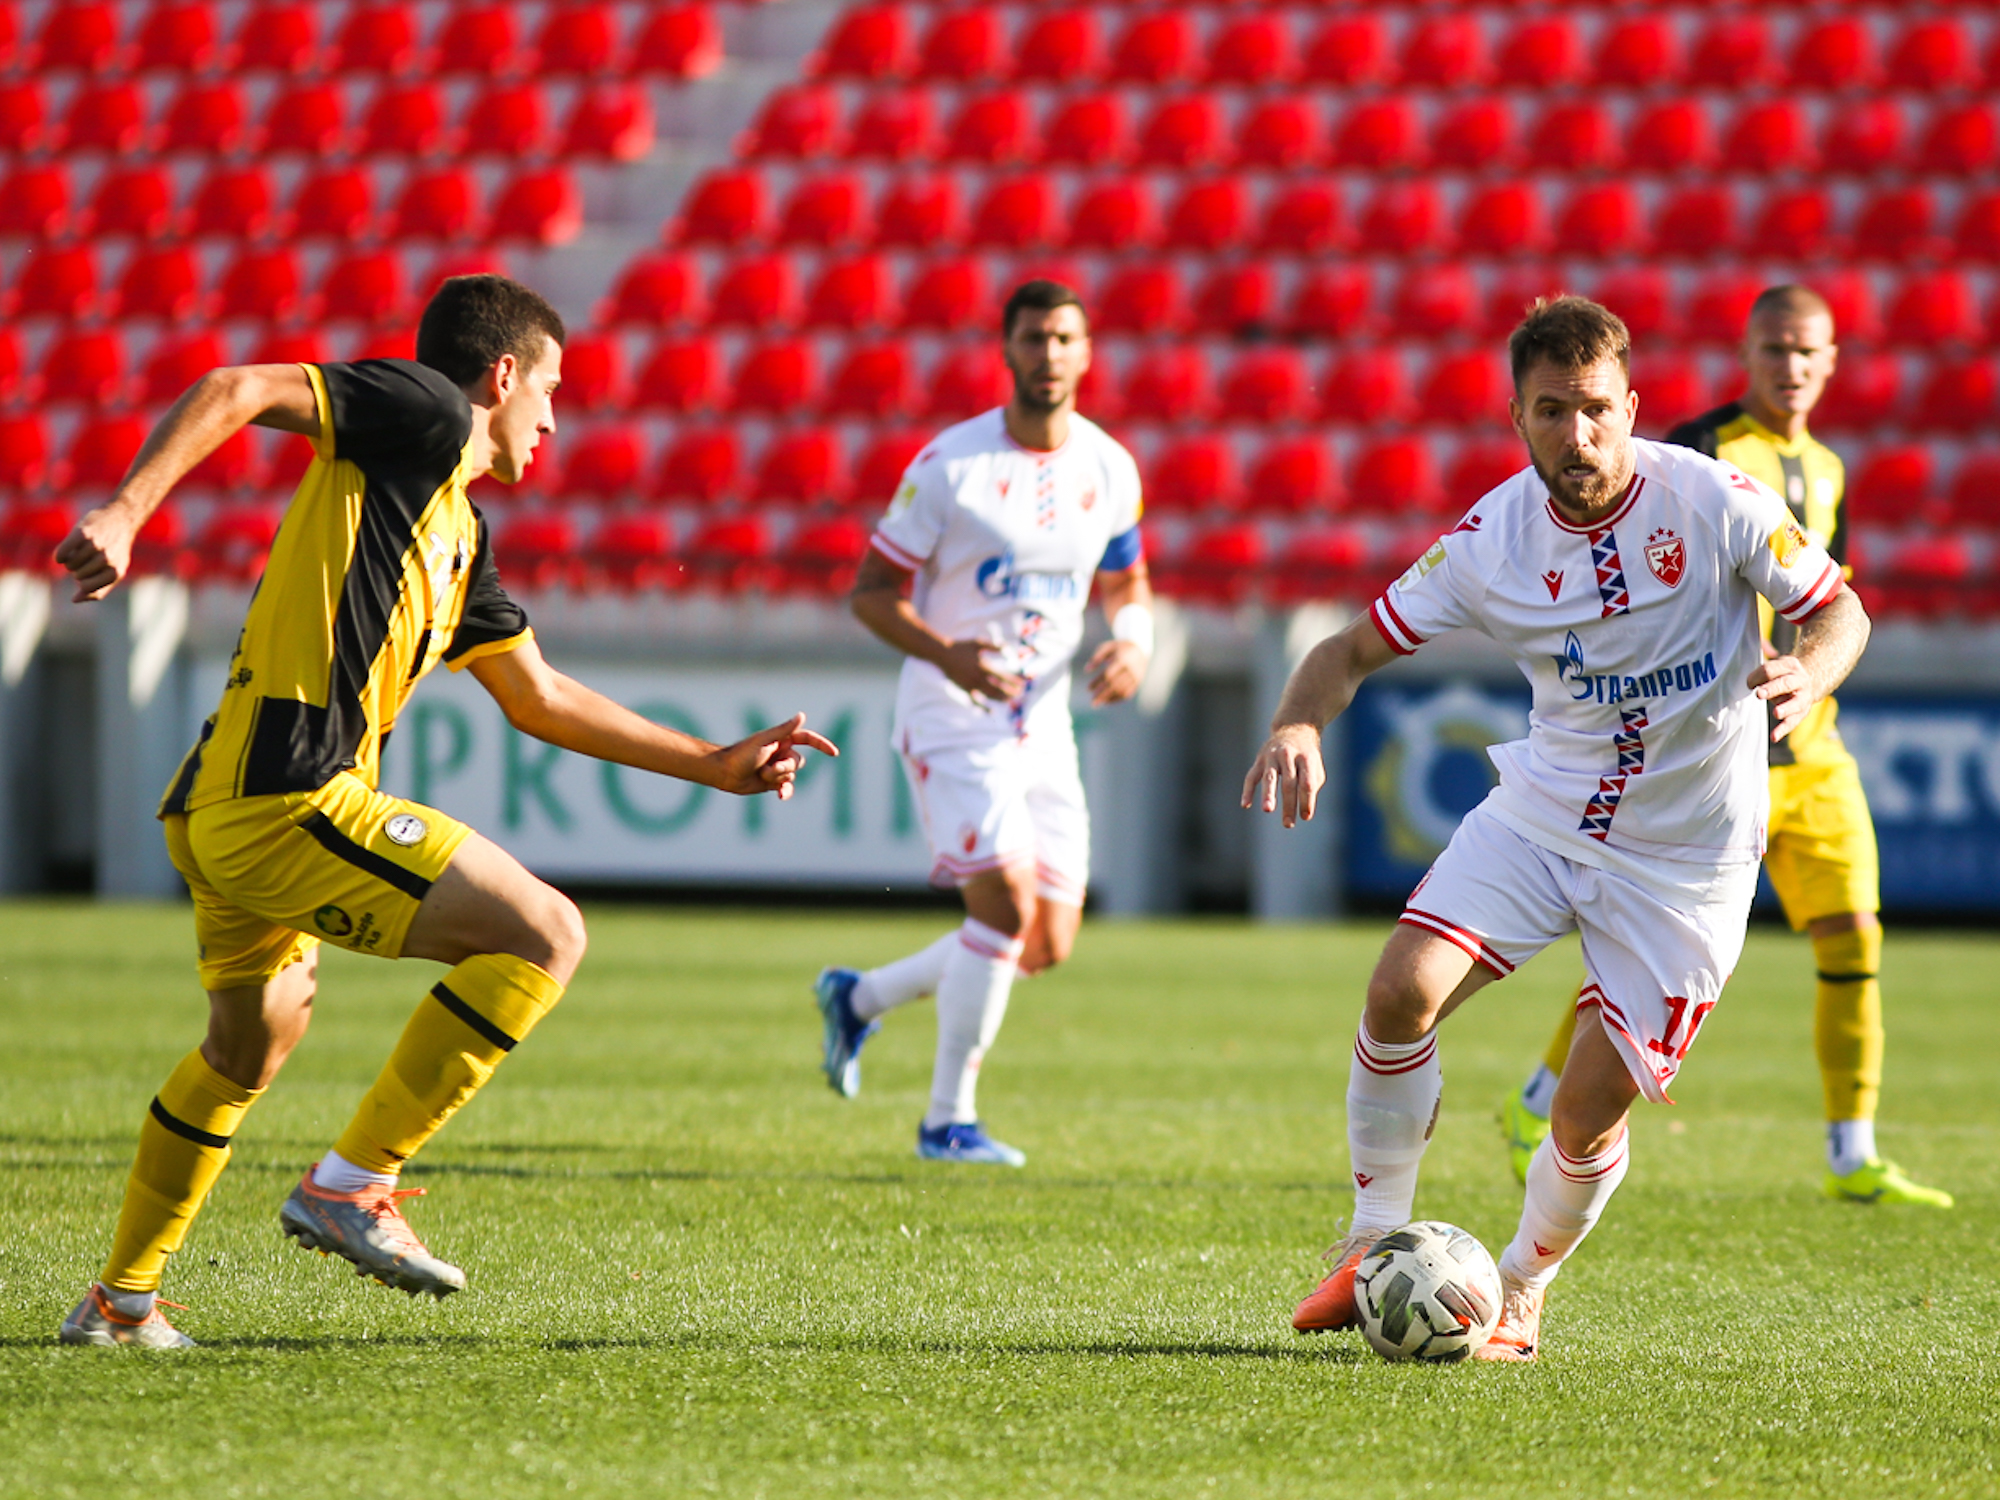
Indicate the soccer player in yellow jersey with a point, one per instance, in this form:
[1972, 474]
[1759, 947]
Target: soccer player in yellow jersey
[1821, 858]
[381, 570]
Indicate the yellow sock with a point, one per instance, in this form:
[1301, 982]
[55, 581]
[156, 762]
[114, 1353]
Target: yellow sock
[183, 1147]
[1558, 1052]
[470, 1020]
[1847, 1022]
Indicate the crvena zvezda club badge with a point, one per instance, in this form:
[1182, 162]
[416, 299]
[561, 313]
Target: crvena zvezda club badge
[1667, 556]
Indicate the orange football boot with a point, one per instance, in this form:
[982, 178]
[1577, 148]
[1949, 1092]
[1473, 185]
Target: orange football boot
[1520, 1327]
[1331, 1304]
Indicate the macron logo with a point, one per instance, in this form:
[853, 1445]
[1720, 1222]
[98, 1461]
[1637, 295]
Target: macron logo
[1543, 1250]
[1363, 1178]
[1554, 579]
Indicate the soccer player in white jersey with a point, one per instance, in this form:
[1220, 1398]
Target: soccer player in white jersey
[1000, 524]
[1623, 577]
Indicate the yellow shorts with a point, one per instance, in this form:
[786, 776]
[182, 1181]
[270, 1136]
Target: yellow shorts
[272, 876]
[1822, 859]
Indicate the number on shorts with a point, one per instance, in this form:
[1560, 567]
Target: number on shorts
[1677, 1012]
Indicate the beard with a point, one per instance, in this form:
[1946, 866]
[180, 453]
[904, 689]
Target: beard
[1593, 492]
[1028, 395]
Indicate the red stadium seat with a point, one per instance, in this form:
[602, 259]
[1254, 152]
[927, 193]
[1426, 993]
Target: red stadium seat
[30, 532]
[821, 557]
[1062, 46]
[1600, 221]
[233, 202]
[1447, 51]
[731, 554]
[879, 470]
[1732, 52]
[210, 118]
[1934, 56]
[1350, 51]
[679, 41]
[80, 35]
[1088, 130]
[681, 375]
[12, 366]
[57, 281]
[1475, 135]
[1935, 307]
[261, 283]
[1157, 47]
[1434, 302]
[1186, 132]
[1721, 306]
[539, 551]
[1395, 476]
[1294, 474]
[800, 122]
[1283, 134]
[1866, 394]
[995, 130]
[1898, 225]
[278, 38]
[365, 286]
[293, 346]
[35, 200]
[10, 35]
[594, 375]
[135, 200]
[1113, 215]
[1141, 298]
[86, 367]
[1504, 219]
[1219, 565]
[1100, 392]
[1639, 52]
[1975, 491]
[1254, 51]
[1017, 213]
[1193, 473]
[161, 282]
[1671, 389]
[1303, 219]
[963, 46]
[509, 120]
[1770, 137]
[1960, 141]
[967, 381]
[828, 212]
[920, 212]
[662, 290]
[804, 466]
[947, 295]
[1671, 137]
[235, 541]
[855, 293]
[1857, 316]
[1366, 387]
[1543, 52]
[24, 115]
[1211, 215]
[1467, 389]
[1977, 233]
[441, 204]
[1267, 386]
[177, 362]
[1479, 467]
[604, 462]
[24, 452]
[1793, 224]
[1331, 302]
[1510, 295]
[406, 119]
[1863, 137]
[756, 291]
[778, 377]
[1899, 479]
[727, 206]
[1381, 135]
[1696, 223]
[872, 381]
[577, 39]
[1237, 301]
[869, 41]
[1576, 136]
[377, 38]
[309, 119]
[107, 115]
[1837, 55]
[481, 40]
[894, 125]
[1170, 385]
[336, 203]
[161, 549]
[1320, 562]
[633, 553]
[702, 464]
[1402, 218]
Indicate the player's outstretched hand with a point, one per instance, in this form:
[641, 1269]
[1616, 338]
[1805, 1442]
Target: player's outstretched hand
[965, 664]
[97, 552]
[770, 759]
[1784, 683]
[1116, 669]
[1287, 775]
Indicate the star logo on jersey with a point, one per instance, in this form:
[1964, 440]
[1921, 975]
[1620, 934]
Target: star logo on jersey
[1089, 496]
[1667, 556]
[1554, 579]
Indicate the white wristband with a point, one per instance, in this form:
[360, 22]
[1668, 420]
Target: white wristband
[1134, 623]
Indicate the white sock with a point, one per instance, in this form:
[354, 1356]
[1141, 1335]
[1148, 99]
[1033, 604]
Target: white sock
[135, 1305]
[1850, 1145]
[1538, 1097]
[904, 980]
[971, 1000]
[1565, 1196]
[337, 1174]
[1392, 1104]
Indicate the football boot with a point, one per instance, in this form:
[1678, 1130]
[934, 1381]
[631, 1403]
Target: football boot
[1525, 1131]
[1331, 1304]
[96, 1322]
[846, 1033]
[966, 1143]
[1520, 1328]
[1882, 1181]
[367, 1229]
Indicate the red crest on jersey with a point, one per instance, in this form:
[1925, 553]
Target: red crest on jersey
[1667, 556]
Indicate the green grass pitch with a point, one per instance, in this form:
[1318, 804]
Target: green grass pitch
[694, 1271]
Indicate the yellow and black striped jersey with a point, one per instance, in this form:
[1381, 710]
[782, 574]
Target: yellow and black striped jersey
[381, 569]
[1813, 481]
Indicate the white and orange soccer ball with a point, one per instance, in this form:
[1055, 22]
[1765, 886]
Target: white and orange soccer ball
[1427, 1291]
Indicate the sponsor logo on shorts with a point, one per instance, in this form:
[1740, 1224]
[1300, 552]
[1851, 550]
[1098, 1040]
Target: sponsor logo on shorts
[405, 829]
[332, 921]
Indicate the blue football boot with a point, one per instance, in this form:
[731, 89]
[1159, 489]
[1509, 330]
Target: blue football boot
[966, 1143]
[846, 1033]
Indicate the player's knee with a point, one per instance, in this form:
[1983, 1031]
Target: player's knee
[1397, 1012]
[559, 927]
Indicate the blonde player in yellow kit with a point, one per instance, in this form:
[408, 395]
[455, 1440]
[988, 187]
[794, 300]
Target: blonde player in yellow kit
[381, 570]
[1822, 859]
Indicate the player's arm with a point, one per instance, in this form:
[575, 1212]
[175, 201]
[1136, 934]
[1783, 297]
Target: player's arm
[1288, 771]
[540, 701]
[212, 410]
[1830, 642]
[881, 602]
[1117, 667]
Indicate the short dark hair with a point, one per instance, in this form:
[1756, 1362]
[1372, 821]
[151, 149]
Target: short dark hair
[1039, 296]
[473, 320]
[1571, 333]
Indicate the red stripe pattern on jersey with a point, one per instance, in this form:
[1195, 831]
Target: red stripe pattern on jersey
[1471, 942]
[1630, 743]
[1611, 590]
[1815, 598]
[1402, 640]
[1045, 494]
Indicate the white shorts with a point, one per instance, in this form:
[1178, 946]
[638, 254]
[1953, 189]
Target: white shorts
[1653, 970]
[1018, 802]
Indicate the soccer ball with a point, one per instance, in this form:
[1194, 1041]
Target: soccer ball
[1427, 1291]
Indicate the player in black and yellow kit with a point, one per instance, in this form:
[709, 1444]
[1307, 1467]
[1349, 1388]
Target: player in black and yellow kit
[381, 570]
[1821, 859]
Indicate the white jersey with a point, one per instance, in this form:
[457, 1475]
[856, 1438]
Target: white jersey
[1004, 541]
[1637, 633]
